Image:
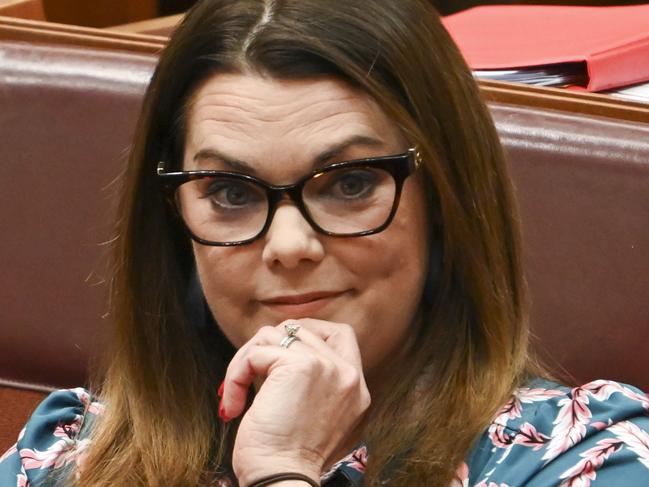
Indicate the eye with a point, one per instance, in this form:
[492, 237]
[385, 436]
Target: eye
[230, 194]
[351, 184]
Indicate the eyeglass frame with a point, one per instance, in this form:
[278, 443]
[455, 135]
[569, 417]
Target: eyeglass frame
[274, 194]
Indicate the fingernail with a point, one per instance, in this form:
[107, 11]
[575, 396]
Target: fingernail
[222, 414]
[220, 391]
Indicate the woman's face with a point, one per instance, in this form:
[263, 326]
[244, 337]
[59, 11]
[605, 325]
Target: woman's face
[276, 130]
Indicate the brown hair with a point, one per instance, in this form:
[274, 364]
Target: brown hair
[160, 425]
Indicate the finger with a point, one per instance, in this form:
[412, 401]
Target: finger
[236, 393]
[316, 344]
[275, 335]
[337, 337]
[258, 360]
[334, 342]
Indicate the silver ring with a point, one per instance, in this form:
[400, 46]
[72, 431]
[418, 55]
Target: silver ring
[291, 329]
[287, 340]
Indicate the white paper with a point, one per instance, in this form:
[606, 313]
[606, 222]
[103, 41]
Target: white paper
[636, 93]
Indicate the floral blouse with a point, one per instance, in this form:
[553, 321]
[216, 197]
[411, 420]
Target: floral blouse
[546, 435]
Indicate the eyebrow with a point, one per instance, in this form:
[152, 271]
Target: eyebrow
[319, 161]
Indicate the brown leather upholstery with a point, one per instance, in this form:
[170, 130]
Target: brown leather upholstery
[67, 117]
[583, 187]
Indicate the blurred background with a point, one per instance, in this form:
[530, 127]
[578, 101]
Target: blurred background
[103, 13]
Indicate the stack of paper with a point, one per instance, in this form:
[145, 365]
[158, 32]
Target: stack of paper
[552, 75]
[635, 93]
[599, 48]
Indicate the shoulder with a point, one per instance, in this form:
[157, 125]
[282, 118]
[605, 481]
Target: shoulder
[51, 438]
[551, 435]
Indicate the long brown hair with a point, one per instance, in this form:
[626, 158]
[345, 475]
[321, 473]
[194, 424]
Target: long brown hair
[160, 425]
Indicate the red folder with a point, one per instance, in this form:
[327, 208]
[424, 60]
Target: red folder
[612, 43]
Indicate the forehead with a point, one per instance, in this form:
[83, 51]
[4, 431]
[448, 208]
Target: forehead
[271, 123]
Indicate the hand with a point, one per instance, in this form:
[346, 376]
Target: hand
[313, 395]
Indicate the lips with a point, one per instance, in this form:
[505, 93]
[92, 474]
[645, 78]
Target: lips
[301, 298]
[301, 305]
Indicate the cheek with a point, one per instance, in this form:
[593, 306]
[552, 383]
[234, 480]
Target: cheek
[212, 266]
[224, 276]
[400, 253]
[393, 264]
[402, 249]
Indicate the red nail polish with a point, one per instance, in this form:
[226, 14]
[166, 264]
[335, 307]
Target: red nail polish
[222, 414]
[220, 391]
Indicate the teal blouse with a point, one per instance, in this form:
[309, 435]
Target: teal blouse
[546, 435]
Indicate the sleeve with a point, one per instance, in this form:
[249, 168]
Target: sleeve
[595, 435]
[49, 439]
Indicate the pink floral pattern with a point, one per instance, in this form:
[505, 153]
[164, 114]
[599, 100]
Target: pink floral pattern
[570, 424]
[634, 438]
[603, 389]
[358, 459]
[569, 427]
[512, 410]
[586, 470]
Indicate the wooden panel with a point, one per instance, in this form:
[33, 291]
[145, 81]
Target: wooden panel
[566, 100]
[47, 32]
[160, 26]
[24, 9]
[99, 13]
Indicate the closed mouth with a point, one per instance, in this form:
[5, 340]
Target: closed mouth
[301, 298]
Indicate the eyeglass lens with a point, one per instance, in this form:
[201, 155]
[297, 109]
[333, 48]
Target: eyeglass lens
[342, 201]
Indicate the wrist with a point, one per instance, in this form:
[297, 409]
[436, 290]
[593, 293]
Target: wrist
[286, 479]
[280, 478]
[290, 483]
[254, 470]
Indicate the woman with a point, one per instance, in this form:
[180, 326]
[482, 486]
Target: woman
[318, 217]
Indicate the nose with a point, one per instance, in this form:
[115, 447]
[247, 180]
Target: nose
[290, 239]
